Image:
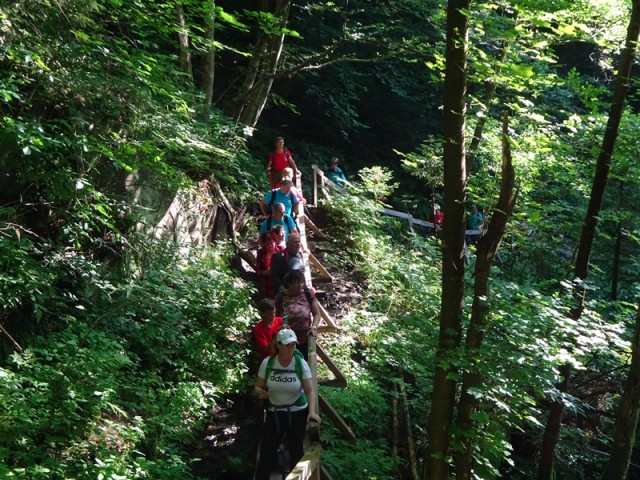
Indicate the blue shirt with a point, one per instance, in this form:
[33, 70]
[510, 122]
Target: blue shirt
[336, 176]
[287, 222]
[288, 199]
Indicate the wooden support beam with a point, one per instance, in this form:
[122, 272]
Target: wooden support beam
[324, 475]
[337, 420]
[327, 318]
[308, 468]
[312, 226]
[318, 266]
[330, 365]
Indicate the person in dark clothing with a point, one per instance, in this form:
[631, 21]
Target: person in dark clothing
[289, 259]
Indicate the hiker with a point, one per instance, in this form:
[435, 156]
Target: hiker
[268, 247]
[288, 173]
[335, 173]
[281, 237]
[474, 222]
[264, 332]
[437, 218]
[285, 381]
[289, 259]
[282, 194]
[278, 217]
[277, 160]
[298, 302]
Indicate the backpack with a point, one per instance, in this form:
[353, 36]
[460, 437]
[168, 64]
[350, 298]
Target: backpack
[297, 357]
[307, 293]
[272, 200]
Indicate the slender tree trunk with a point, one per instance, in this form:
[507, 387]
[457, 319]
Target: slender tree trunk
[552, 428]
[208, 75]
[262, 68]
[615, 269]
[411, 444]
[184, 52]
[627, 419]
[451, 307]
[485, 253]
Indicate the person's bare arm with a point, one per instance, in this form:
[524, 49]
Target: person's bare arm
[315, 312]
[263, 207]
[307, 385]
[260, 390]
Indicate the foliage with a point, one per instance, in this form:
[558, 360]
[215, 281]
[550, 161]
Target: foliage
[125, 388]
[120, 344]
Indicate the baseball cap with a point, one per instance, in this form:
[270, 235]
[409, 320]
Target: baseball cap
[286, 336]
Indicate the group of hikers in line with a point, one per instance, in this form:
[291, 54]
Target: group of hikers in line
[289, 314]
[474, 222]
[289, 311]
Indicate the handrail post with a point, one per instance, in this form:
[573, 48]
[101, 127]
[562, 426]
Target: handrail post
[315, 186]
[313, 366]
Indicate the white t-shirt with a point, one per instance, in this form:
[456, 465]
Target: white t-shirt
[283, 383]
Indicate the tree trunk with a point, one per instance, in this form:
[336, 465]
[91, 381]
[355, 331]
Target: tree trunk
[627, 419]
[208, 75]
[183, 42]
[552, 428]
[451, 306]
[262, 68]
[411, 444]
[485, 253]
[615, 269]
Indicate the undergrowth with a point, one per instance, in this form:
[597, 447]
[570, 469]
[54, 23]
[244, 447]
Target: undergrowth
[121, 382]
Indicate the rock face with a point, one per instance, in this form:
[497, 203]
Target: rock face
[189, 216]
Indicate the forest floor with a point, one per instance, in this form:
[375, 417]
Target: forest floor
[229, 446]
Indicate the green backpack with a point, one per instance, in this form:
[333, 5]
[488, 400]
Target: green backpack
[297, 356]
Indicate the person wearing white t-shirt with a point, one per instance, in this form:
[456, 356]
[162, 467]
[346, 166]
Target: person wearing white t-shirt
[291, 403]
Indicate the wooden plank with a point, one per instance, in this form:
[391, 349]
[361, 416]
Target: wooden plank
[316, 263]
[337, 420]
[312, 226]
[326, 317]
[324, 475]
[406, 216]
[330, 365]
[414, 221]
[309, 465]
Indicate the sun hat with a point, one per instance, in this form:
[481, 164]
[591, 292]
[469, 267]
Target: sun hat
[286, 336]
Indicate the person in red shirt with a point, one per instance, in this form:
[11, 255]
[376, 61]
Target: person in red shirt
[266, 329]
[277, 160]
[437, 218]
[268, 247]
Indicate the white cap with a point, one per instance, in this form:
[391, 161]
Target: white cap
[286, 336]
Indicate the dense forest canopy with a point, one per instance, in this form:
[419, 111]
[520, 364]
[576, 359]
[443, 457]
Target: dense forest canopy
[133, 141]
